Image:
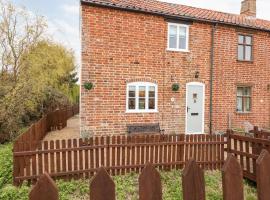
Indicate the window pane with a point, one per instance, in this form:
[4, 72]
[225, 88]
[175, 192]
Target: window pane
[240, 39]
[240, 52]
[182, 43]
[248, 53]
[142, 91]
[247, 91]
[142, 103]
[239, 91]
[151, 91]
[152, 103]
[131, 103]
[248, 40]
[239, 104]
[247, 104]
[182, 37]
[182, 31]
[173, 36]
[131, 91]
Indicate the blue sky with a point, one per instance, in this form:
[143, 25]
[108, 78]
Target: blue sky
[64, 25]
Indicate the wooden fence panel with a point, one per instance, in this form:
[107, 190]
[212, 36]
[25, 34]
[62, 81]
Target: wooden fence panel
[150, 184]
[232, 179]
[118, 154]
[102, 186]
[263, 175]
[193, 182]
[44, 189]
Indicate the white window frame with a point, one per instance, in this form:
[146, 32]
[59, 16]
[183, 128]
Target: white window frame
[177, 39]
[146, 85]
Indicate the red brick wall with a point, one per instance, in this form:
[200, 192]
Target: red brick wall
[120, 47]
[229, 73]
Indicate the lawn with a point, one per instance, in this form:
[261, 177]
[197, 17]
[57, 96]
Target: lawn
[126, 186]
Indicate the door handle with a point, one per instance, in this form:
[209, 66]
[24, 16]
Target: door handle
[188, 108]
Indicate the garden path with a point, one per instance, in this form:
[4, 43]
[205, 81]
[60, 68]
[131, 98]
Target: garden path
[72, 130]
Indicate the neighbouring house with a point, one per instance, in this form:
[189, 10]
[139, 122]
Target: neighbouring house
[187, 69]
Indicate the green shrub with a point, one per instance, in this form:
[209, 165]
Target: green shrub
[10, 192]
[5, 164]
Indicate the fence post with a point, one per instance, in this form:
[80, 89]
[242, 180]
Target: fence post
[150, 184]
[44, 189]
[102, 186]
[232, 179]
[256, 132]
[263, 175]
[193, 182]
[229, 142]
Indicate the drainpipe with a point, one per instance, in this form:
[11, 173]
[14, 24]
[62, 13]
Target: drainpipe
[214, 26]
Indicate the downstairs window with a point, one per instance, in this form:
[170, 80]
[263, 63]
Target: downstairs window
[141, 97]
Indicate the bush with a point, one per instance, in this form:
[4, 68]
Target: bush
[10, 192]
[5, 164]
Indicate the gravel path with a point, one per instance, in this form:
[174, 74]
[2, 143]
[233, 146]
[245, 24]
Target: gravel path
[70, 132]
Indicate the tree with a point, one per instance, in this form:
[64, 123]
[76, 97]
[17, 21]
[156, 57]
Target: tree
[36, 75]
[19, 30]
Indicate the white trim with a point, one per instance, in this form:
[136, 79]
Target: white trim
[203, 108]
[137, 85]
[177, 38]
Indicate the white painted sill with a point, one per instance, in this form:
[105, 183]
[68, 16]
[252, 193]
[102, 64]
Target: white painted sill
[178, 50]
[141, 112]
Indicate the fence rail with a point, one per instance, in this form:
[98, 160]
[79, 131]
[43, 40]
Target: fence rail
[102, 186]
[80, 158]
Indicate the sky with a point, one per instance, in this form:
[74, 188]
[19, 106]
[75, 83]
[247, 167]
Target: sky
[64, 20]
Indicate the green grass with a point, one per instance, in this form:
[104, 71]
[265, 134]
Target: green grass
[126, 186]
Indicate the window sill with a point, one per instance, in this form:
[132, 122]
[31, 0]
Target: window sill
[243, 113]
[178, 50]
[245, 61]
[140, 112]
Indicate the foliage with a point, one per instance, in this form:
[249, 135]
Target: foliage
[5, 164]
[175, 87]
[10, 192]
[36, 75]
[88, 86]
[19, 30]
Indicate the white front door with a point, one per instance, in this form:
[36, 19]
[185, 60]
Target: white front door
[195, 95]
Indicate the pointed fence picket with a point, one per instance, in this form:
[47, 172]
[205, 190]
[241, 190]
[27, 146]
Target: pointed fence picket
[232, 179]
[150, 184]
[193, 181]
[102, 186]
[44, 189]
[263, 175]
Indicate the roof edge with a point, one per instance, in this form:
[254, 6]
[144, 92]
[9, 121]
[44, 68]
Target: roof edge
[83, 2]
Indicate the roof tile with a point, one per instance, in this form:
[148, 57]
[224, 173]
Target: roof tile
[182, 11]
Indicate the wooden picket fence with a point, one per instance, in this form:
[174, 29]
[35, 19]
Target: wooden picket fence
[81, 158]
[247, 149]
[102, 186]
[56, 120]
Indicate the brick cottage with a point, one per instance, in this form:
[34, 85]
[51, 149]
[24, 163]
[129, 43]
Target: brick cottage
[187, 69]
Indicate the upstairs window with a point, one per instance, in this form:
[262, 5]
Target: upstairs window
[178, 37]
[245, 48]
[243, 99]
[141, 97]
